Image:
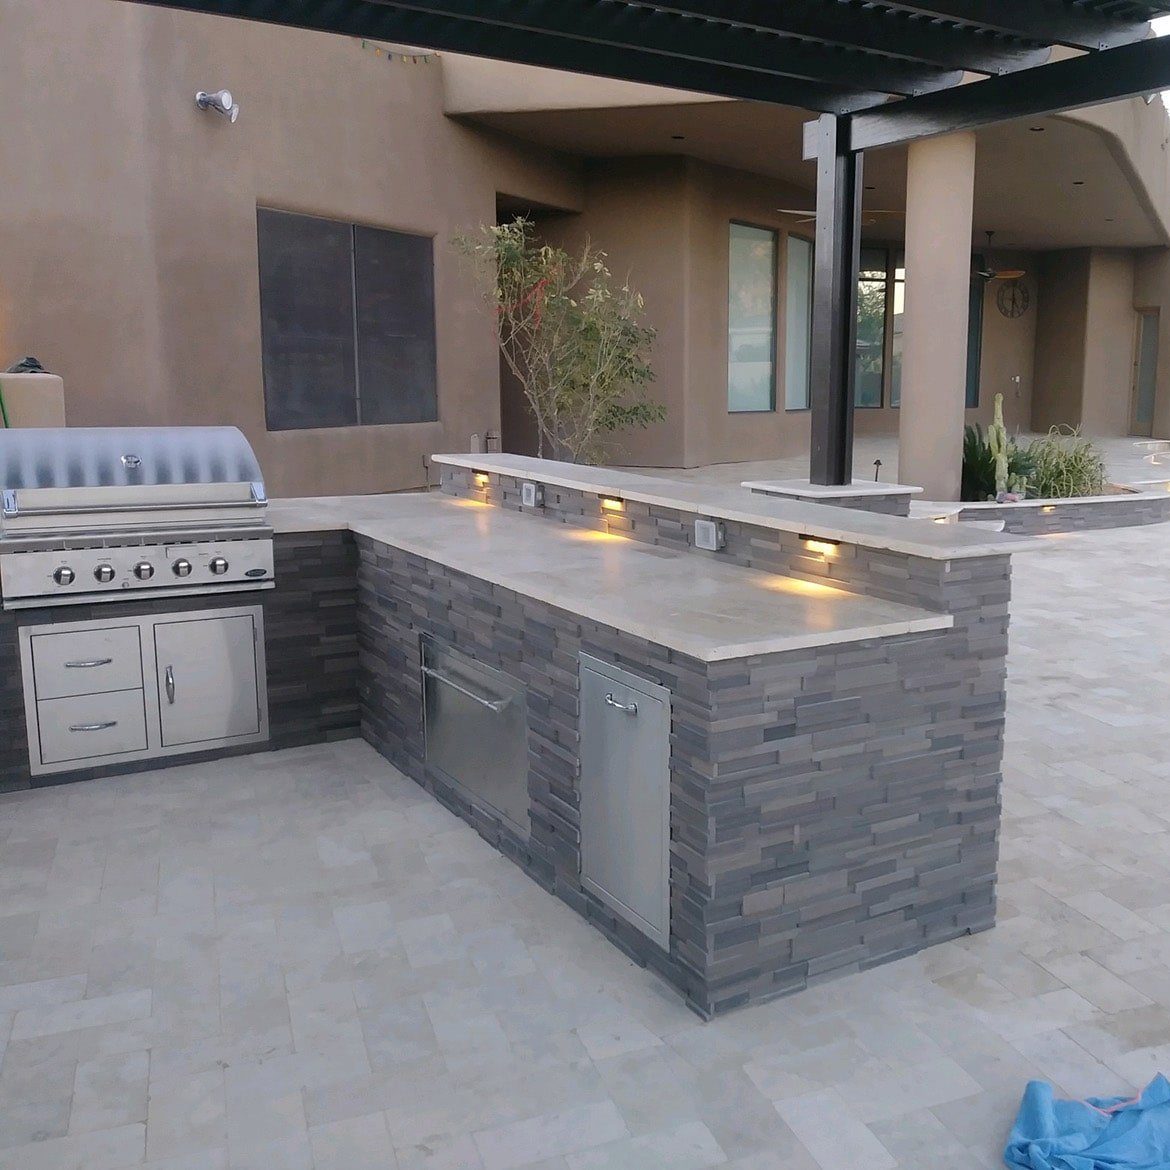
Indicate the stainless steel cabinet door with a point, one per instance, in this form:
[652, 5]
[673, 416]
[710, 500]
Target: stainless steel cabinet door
[207, 679]
[625, 795]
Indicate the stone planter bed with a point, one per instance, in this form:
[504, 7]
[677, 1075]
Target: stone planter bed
[1123, 507]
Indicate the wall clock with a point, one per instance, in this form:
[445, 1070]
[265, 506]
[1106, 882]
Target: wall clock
[1013, 298]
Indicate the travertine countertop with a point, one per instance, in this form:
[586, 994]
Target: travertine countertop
[919, 538]
[699, 607]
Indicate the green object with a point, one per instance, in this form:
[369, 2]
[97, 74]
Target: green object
[998, 441]
[980, 470]
[1065, 464]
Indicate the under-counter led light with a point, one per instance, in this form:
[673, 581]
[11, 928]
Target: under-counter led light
[1048, 508]
[481, 478]
[611, 504]
[820, 545]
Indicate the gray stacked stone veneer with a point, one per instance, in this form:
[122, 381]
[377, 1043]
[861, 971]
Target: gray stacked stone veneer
[310, 637]
[1122, 510]
[891, 505]
[831, 809]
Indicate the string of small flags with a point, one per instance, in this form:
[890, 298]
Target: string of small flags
[399, 53]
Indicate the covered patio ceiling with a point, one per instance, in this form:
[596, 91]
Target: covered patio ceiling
[879, 72]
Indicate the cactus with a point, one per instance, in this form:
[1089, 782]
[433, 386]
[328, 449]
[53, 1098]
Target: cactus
[998, 441]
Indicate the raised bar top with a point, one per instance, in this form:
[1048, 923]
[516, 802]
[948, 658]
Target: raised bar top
[919, 538]
[709, 611]
[803, 488]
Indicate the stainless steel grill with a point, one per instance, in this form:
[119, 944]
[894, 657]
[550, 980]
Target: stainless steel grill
[103, 514]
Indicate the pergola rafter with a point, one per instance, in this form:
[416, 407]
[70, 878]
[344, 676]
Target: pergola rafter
[879, 72]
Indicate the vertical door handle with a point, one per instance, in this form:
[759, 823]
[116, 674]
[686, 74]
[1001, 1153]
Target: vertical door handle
[170, 684]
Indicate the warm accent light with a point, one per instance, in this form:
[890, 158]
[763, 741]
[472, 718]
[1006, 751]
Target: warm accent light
[1048, 508]
[481, 478]
[611, 504]
[820, 545]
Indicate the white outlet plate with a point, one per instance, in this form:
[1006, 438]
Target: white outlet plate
[708, 535]
[532, 495]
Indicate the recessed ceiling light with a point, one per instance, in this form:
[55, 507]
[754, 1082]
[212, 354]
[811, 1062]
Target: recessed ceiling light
[678, 137]
[1036, 129]
[1078, 182]
[1109, 219]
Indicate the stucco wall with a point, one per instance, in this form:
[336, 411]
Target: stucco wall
[128, 218]
[1109, 344]
[1152, 291]
[1060, 339]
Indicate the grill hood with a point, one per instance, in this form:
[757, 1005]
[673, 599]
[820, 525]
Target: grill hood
[112, 478]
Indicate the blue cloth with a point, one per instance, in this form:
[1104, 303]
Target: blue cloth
[1115, 1133]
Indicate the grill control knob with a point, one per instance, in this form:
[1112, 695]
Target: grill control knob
[218, 566]
[64, 575]
[144, 570]
[182, 567]
[104, 573]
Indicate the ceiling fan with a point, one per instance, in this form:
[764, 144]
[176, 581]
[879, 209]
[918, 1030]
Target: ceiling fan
[805, 215]
[999, 273]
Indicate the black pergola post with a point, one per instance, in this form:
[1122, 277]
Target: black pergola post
[834, 319]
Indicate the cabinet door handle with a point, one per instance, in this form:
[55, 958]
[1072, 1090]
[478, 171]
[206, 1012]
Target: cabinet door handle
[491, 704]
[88, 663]
[169, 680]
[628, 708]
[93, 726]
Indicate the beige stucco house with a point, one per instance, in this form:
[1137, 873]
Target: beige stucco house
[291, 272]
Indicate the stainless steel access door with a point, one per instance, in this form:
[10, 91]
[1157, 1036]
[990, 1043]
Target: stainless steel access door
[208, 679]
[625, 795]
[477, 730]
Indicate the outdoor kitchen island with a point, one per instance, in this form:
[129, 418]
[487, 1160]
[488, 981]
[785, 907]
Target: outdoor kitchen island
[748, 767]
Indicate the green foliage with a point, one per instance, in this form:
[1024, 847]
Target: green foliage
[1065, 464]
[571, 335]
[981, 470]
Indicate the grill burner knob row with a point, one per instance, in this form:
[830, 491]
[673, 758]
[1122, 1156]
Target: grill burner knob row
[144, 570]
[64, 575]
[218, 566]
[104, 573]
[182, 567]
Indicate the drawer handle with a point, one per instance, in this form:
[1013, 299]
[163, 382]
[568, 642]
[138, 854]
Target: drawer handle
[628, 708]
[105, 726]
[88, 663]
[496, 705]
[169, 682]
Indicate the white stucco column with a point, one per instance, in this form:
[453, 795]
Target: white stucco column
[940, 180]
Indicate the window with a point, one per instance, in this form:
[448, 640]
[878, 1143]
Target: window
[975, 333]
[870, 357]
[897, 327]
[751, 319]
[798, 283]
[347, 321]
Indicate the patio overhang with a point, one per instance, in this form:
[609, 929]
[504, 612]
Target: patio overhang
[878, 72]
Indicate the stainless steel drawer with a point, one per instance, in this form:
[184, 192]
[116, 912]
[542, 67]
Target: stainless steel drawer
[89, 727]
[86, 662]
[477, 731]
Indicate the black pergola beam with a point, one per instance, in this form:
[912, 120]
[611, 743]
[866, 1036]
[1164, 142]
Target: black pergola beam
[693, 38]
[893, 33]
[1090, 80]
[836, 258]
[383, 21]
[1054, 22]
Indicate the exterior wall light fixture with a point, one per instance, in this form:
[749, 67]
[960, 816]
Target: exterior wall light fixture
[611, 504]
[221, 101]
[818, 544]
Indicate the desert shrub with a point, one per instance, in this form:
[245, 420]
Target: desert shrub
[1065, 464]
[978, 480]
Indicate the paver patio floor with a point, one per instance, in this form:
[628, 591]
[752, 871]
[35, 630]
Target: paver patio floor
[300, 960]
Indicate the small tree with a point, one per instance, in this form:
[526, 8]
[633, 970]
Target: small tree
[570, 334]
